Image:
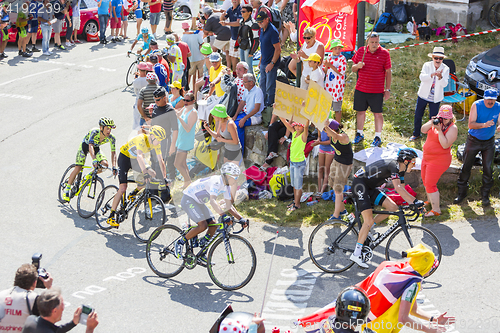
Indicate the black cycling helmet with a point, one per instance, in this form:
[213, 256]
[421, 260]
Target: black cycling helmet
[236, 321]
[105, 121]
[352, 306]
[406, 154]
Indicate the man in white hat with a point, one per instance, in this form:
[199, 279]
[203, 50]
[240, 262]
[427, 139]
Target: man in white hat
[433, 79]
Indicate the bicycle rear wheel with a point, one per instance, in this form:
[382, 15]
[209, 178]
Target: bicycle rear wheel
[494, 15]
[131, 74]
[231, 266]
[160, 251]
[149, 214]
[64, 182]
[399, 243]
[88, 195]
[329, 252]
[103, 206]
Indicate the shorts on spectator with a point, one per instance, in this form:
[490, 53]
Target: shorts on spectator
[331, 152]
[154, 18]
[115, 23]
[33, 26]
[364, 100]
[57, 26]
[22, 32]
[138, 13]
[339, 173]
[124, 15]
[233, 155]
[232, 52]
[195, 6]
[221, 44]
[297, 174]
[76, 23]
[337, 106]
[196, 66]
[183, 151]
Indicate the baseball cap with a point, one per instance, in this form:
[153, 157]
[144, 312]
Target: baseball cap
[206, 49]
[207, 10]
[490, 94]
[151, 106]
[176, 84]
[215, 57]
[185, 25]
[314, 57]
[160, 92]
[261, 16]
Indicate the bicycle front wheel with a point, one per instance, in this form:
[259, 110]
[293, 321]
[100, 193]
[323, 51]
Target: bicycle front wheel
[399, 243]
[88, 195]
[160, 251]
[328, 250]
[231, 262]
[103, 206]
[131, 74]
[149, 214]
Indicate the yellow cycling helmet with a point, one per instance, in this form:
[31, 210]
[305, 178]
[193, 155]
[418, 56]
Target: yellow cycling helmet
[158, 132]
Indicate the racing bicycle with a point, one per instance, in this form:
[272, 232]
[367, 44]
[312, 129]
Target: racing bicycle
[332, 242]
[230, 258]
[132, 72]
[148, 209]
[86, 187]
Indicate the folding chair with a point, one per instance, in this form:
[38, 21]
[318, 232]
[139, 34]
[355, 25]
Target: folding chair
[451, 94]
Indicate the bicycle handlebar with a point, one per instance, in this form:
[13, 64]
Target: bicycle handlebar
[244, 223]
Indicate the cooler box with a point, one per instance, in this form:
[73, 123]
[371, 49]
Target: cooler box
[470, 97]
[93, 37]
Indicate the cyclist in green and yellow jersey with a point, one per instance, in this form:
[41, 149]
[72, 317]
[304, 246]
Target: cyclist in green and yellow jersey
[91, 145]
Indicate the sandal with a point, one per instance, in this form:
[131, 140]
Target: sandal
[426, 203]
[290, 204]
[292, 208]
[432, 213]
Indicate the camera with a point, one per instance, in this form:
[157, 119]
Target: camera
[42, 273]
[436, 121]
[86, 311]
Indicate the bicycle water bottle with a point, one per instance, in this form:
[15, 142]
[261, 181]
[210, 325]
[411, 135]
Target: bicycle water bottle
[351, 217]
[310, 203]
[194, 241]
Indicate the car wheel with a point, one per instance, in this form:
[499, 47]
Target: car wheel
[91, 28]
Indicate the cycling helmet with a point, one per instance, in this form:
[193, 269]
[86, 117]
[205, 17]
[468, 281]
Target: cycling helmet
[406, 154]
[230, 169]
[158, 132]
[105, 121]
[144, 30]
[352, 306]
[236, 322]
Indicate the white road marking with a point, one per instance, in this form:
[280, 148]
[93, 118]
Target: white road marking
[113, 56]
[16, 96]
[27, 76]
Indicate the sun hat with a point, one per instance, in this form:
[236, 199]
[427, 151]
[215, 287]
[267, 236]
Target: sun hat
[206, 49]
[421, 258]
[142, 66]
[334, 125]
[215, 57]
[490, 94]
[445, 112]
[219, 111]
[335, 42]
[437, 51]
[151, 106]
[314, 57]
[176, 84]
[151, 77]
[150, 66]
[185, 26]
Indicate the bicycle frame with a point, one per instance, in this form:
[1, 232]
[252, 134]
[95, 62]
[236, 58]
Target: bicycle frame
[144, 194]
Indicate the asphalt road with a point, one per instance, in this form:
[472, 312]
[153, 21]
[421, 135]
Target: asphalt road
[49, 104]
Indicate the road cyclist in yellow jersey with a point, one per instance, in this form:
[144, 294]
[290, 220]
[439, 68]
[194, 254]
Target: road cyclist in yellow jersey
[132, 157]
[91, 143]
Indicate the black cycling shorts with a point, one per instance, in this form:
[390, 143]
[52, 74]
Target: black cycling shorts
[195, 211]
[366, 197]
[125, 164]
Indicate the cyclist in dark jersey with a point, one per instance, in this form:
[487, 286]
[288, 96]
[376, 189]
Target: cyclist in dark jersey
[366, 194]
[91, 143]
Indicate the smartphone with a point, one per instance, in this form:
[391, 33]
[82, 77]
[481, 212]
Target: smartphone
[86, 310]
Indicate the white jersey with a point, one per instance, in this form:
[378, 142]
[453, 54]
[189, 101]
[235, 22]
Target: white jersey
[202, 189]
[15, 301]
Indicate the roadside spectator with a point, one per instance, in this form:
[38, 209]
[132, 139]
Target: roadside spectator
[297, 159]
[176, 98]
[103, 15]
[174, 55]
[195, 7]
[270, 57]
[159, 70]
[213, 26]
[116, 19]
[68, 18]
[248, 37]
[76, 21]
[45, 15]
[138, 15]
[34, 8]
[187, 117]
[186, 53]
[325, 158]
[310, 46]
[4, 36]
[276, 135]
[373, 65]
[146, 97]
[154, 14]
[234, 16]
[335, 66]
[437, 153]
[226, 132]
[256, 4]
[19, 301]
[21, 24]
[139, 83]
[126, 5]
[483, 122]
[216, 73]
[241, 69]
[203, 82]
[286, 7]
[59, 8]
[433, 79]
[51, 306]
[249, 110]
[168, 8]
[194, 41]
[316, 74]
[340, 168]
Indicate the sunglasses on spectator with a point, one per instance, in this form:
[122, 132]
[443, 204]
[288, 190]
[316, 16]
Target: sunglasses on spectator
[188, 100]
[244, 11]
[159, 98]
[438, 58]
[307, 37]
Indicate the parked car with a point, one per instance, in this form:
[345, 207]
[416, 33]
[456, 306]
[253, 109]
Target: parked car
[89, 21]
[483, 71]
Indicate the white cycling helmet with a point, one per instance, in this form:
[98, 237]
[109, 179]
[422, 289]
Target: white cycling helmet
[230, 169]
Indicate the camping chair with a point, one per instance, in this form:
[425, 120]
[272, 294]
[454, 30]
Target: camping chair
[451, 94]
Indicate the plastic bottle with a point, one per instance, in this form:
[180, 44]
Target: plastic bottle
[310, 203]
[351, 217]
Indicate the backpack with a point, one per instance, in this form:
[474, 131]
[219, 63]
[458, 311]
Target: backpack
[285, 192]
[385, 23]
[274, 15]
